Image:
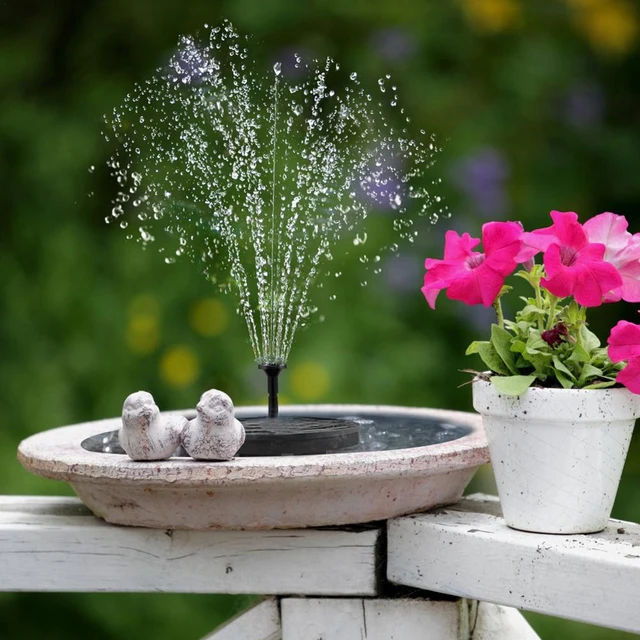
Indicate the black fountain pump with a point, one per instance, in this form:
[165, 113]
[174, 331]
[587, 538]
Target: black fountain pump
[272, 370]
[294, 434]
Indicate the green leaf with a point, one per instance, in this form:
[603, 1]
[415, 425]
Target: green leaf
[579, 354]
[532, 277]
[572, 312]
[525, 327]
[532, 308]
[473, 347]
[491, 358]
[512, 385]
[589, 339]
[600, 357]
[560, 366]
[541, 362]
[589, 371]
[600, 385]
[563, 380]
[501, 340]
[517, 346]
[535, 344]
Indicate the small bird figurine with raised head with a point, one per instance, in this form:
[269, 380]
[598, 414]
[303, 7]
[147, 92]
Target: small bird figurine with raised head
[145, 433]
[214, 434]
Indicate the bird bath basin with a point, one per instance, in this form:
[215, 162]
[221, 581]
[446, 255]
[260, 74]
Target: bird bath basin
[406, 460]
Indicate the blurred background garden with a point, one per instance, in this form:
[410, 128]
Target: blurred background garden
[537, 105]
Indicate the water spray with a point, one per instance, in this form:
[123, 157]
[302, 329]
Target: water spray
[314, 152]
[272, 370]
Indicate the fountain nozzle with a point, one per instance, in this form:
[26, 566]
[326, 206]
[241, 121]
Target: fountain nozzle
[272, 370]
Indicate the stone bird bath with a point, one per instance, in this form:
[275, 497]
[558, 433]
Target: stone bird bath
[400, 476]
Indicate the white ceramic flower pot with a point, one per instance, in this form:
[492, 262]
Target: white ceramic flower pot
[557, 454]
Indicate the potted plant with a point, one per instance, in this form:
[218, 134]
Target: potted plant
[558, 407]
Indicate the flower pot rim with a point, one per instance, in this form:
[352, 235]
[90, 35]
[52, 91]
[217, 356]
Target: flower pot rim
[477, 380]
[553, 404]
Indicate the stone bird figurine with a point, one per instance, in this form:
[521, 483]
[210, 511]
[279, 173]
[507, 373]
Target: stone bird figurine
[145, 433]
[214, 434]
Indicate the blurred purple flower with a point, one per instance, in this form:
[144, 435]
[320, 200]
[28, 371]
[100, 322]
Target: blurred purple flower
[403, 273]
[479, 318]
[481, 177]
[295, 62]
[584, 105]
[191, 63]
[393, 44]
[381, 186]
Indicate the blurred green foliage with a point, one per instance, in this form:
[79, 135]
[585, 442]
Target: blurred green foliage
[537, 103]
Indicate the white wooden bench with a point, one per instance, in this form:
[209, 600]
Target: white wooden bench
[437, 571]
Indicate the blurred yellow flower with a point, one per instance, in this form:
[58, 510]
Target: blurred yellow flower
[208, 317]
[611, 26]
[492, 16]
[179, 366]
[309, 381]
[144, 304]
[143, 326]
[143, 333]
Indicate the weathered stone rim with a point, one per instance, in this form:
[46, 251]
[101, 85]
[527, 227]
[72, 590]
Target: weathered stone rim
[57, 454]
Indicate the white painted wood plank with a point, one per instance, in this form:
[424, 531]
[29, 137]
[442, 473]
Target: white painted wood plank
[54, 544]
[495, 622]
[373, 619]
[468, 551]
[259, 622]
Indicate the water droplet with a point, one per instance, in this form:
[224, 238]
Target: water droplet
[277, 68]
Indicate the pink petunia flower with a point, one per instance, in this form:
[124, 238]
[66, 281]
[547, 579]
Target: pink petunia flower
[470, 276]
[574, 266]
[622, 251]
[630, 375]
[624, 344]
[624, 341]
[533, 242]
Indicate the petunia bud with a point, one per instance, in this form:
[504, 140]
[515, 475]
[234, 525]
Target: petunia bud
[553, 337]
